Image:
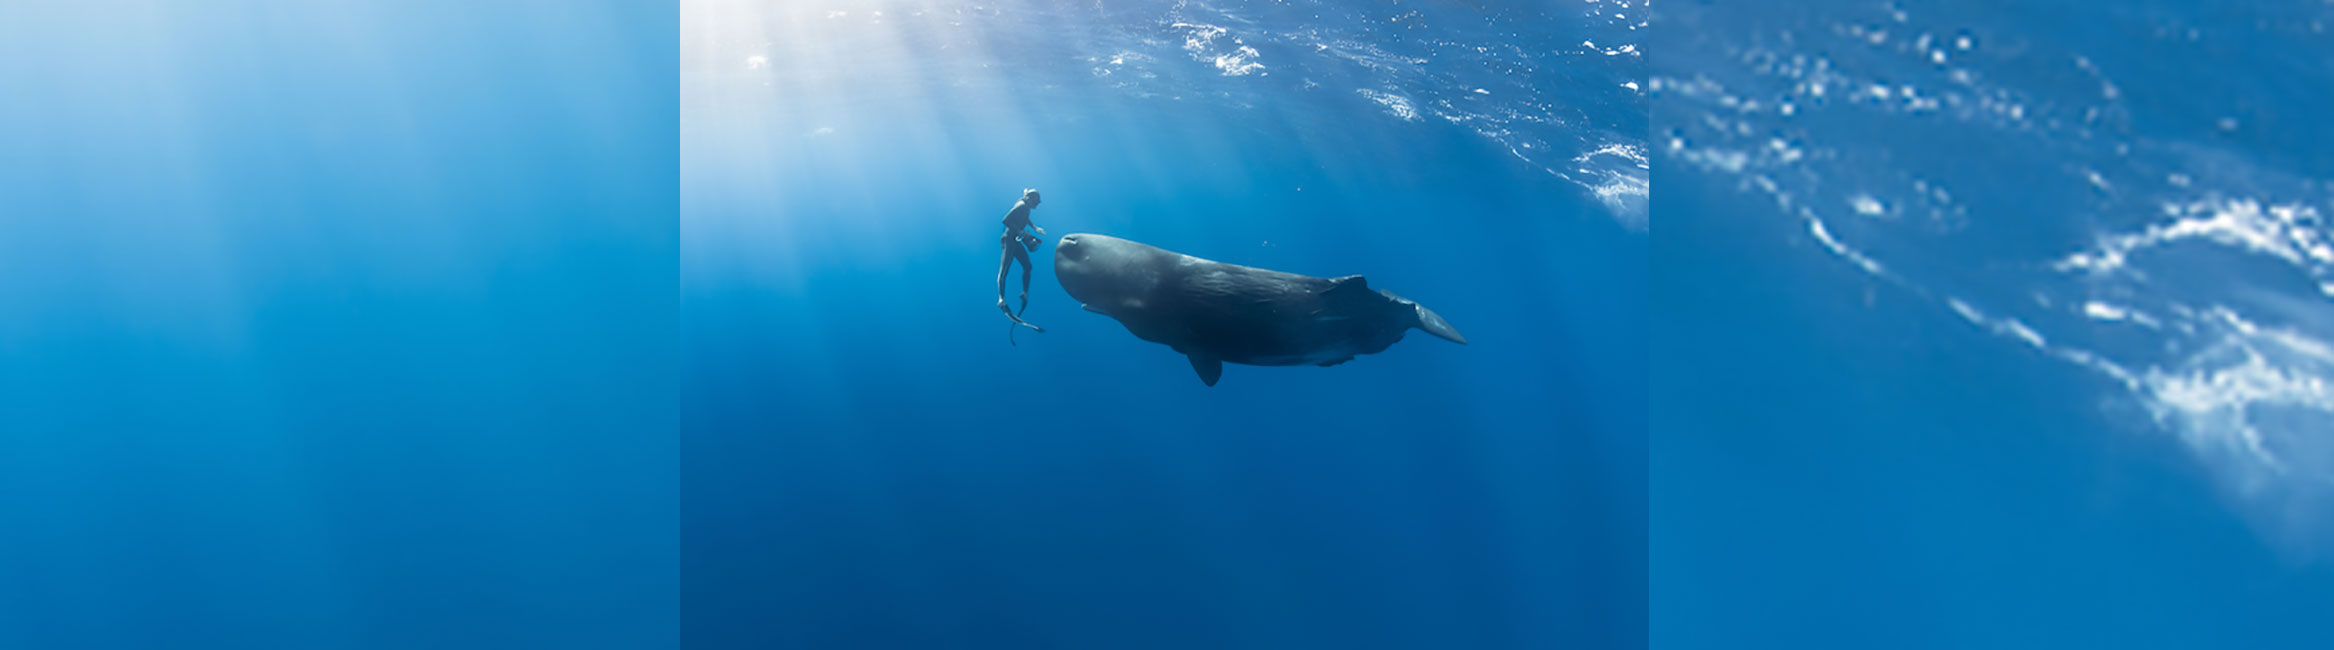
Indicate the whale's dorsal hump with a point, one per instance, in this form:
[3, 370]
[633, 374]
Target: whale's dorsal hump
[1348, 290]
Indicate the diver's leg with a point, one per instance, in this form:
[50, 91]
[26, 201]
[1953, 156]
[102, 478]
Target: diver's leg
[1004, 267]
[1025, 273]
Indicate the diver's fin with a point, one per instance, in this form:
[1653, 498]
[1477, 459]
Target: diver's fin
[1209, 368]
[1016, 319]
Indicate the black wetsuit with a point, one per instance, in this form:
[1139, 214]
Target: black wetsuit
[1015, 222]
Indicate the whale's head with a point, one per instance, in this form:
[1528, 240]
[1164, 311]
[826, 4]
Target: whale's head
[1110, 275]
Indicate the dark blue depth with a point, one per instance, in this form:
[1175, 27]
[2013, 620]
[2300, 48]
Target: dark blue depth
[337, 325]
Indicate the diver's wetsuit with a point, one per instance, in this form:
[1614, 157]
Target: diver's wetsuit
[1015, 222]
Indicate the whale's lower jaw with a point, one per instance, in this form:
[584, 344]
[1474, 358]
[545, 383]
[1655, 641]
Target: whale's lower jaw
[1313, 358]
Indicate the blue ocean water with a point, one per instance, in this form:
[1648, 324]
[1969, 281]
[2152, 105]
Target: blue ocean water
[353, 325]
[868, 462]
[2014, 325]
[337, 325]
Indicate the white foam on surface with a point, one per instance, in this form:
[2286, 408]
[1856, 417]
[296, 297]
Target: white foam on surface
[2196, 281]
[1396, 105]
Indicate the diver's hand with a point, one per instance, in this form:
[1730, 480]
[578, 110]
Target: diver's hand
[1040, 230]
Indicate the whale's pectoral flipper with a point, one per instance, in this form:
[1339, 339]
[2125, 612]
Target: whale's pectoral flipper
[1209, 368]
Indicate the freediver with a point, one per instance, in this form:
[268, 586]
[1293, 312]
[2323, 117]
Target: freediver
[1017, 245]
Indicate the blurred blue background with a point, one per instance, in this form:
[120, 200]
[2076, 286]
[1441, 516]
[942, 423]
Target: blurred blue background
[868, 463]
[1986, 325]
[336, 325]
